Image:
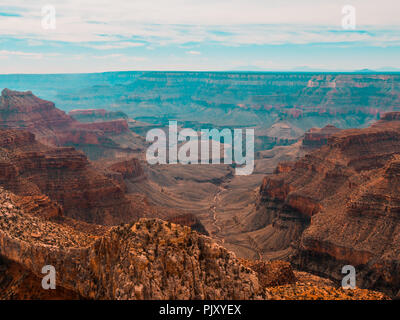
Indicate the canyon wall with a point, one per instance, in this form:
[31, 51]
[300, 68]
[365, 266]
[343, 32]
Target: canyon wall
[317, 137]
[339, 205]
[51, 126]
[65, 175]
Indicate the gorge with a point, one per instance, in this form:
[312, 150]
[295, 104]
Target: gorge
[77, 191]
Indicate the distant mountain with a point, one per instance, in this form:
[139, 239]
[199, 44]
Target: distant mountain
[389, 69]
[383, 69]
[365, 71]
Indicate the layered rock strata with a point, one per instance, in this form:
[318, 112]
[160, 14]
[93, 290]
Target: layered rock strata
[339, 205]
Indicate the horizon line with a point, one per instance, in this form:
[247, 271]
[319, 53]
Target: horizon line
[361, 71]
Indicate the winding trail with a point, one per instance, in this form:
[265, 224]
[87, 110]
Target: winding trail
[217, 234]
[213, 209]
[255, 247]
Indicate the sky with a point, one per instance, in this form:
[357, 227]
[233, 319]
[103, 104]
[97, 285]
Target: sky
[79, 36]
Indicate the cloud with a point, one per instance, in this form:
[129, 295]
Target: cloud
[120, 57]
[99, 35]
[34, 43]
[7, 53]
[193, 52]
[233, 22]
[115, 45]
[8, 14]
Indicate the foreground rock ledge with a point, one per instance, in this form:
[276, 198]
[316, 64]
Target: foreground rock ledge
[151, 259]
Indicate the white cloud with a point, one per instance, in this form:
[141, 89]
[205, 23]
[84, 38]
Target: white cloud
[193, 52]
[7, 53]
[34, 43]
[115, 45]
[190, 28]
[161, 22]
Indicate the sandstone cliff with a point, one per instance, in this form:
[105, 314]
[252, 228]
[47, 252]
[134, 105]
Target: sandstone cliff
[29, 168]
[316, 137]
[97, 115]
[51, 126]
[128, 168]
[341, 203]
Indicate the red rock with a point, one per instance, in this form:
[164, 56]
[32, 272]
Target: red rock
[51, 126]
[316, 137]
[151, 259]
[29, 168]
[128, 169]
[189, 220]
[90, 112]
[111, 127]
[391, 116]
[344, 199]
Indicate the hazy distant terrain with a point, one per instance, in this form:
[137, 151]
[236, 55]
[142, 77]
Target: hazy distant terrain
[304, 99]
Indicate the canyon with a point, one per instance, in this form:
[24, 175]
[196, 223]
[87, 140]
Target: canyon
[301, 100]
[149, 259]
[76, 189]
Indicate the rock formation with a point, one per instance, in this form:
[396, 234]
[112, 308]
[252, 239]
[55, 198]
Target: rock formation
[316, 137]
[149, 259]
[28, 168]
[51, 126]
[336, 206]
[128, 168]
[97, 115]
[341, 203]
[189, 220]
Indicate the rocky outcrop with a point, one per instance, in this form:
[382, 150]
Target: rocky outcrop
[280, 133]
[150, 259]
[272, 273]
[312, 287]
[128, 168]
[51, 126]
[391, 116]
[18, 283]
[109, 127]
[24, 110]
[39, 205]
[97, 115]
[360, 232]
[190, 220]
[64, 175]
[81, 137]
[53, 182]
[316, 137]
[344, 198]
